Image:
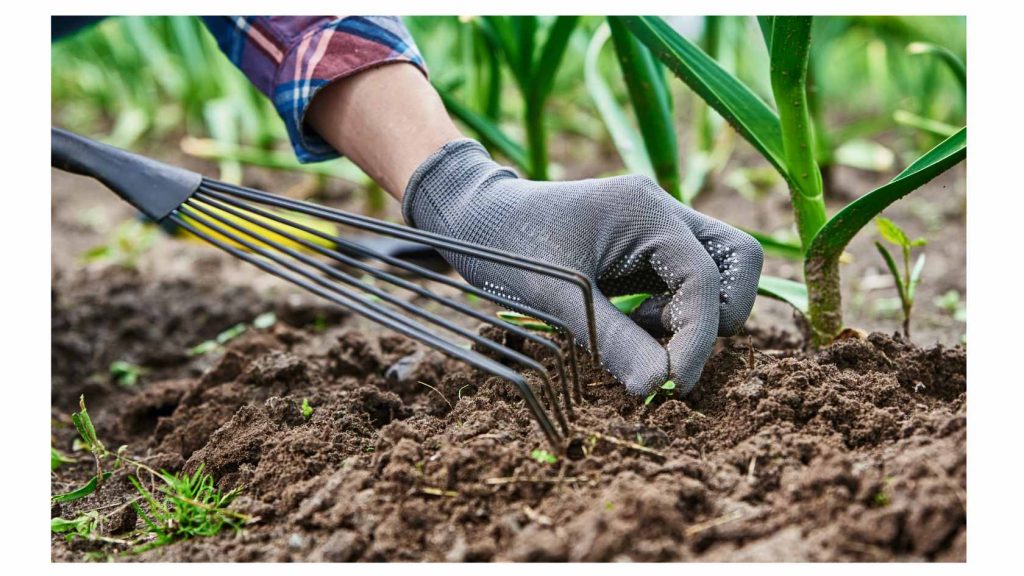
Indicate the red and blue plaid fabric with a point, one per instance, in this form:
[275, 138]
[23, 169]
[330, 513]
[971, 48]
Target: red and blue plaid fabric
[290, 58]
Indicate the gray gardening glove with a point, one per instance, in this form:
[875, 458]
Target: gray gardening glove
[624, 233]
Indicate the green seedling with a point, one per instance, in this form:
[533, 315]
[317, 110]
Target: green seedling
[83, 423]
[264, 321]
[185, 507]
[543, 456]
[85, 526]
[908, 278]
[626, 304]
[307, 410]
[785, 136]
[57, 458]
[665, 389]
[221, 339]
[952, 302]
[125, 245]
[125, 373]
[88, 488]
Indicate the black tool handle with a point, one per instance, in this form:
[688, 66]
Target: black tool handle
[155, 188]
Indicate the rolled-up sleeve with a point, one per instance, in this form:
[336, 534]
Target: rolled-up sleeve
[290, 58]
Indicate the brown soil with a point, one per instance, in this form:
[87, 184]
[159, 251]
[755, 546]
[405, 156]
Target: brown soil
[857, 452]
[854, 453]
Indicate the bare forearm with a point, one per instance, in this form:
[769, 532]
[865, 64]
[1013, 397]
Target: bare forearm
[387, 120]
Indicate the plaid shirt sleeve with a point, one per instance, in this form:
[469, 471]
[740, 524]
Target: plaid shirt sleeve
[290, 58]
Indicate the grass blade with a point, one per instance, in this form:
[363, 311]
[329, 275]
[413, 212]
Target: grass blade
[955, 65]
[652, 103]
[781, 248]
[837, 232]
[743, 109]
[890, 262]
[81, 492]
[552, 53]
[489, 132]
[626, 138]
[788, 291]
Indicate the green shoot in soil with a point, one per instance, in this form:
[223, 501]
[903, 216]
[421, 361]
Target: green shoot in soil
[543, 457]
[57, 458]
[129, 241]
[908, 278]
[626, 304]
[221, 339]
[952, 302]
[666, 389]
[307, 410]
[125, 373]
[185, 507]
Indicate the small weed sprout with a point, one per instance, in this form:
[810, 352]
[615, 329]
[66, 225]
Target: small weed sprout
[307, 410]
[188, 505]
[125, 373]
[221, 339]
[952, 302]
[126, 244]
[907, 279]
[57, 458]
[543, 456]
[666, 389]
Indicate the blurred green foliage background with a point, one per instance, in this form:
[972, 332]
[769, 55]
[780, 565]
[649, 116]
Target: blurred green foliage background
[132, 81]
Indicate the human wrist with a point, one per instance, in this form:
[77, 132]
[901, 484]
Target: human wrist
[457, 168]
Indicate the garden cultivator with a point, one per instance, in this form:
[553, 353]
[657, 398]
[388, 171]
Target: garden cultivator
[255, 226]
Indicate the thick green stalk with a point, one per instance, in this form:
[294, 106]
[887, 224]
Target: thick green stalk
[791, 41]
[790, 50]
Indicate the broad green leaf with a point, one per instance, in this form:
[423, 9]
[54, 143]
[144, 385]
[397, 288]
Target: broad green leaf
[82, 492]
[652, 104]
[743, 109]
[489, 132]
[891, 232]
[955, 65]
[790, 292]
[894, 270]
[837, 232]
[57, 458]
[626, 138]
[628, 303]
[915, 277]
[781, 248]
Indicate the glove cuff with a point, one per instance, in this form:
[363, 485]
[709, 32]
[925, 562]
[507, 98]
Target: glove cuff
[457, 168]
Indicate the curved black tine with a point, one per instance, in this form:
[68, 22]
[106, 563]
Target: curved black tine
[209, 195]
[430, 239]
[192, 205]
[246, 212]
[400, 324]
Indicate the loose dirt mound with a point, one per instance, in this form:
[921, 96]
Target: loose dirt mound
[855, 453]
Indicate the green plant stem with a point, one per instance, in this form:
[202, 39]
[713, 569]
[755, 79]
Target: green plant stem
[536, 138]
[825, 304]
[791, 41]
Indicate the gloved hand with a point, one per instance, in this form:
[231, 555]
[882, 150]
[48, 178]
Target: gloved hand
[624, 233]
